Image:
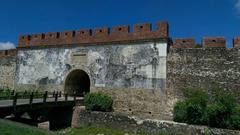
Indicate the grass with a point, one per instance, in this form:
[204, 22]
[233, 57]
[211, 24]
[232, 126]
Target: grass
[101, 131]
[13, 128]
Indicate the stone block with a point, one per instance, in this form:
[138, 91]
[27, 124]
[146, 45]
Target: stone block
[44, 125]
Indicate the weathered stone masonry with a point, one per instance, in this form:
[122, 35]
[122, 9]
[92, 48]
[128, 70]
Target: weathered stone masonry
[142, 70]
[119, 59]
[204, 67]
[141, 65]
[7, 68]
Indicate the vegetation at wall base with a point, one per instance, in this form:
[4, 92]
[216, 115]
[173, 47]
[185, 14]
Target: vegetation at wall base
[98, 102]
[14, 128]
[214, 108]
[91, 130]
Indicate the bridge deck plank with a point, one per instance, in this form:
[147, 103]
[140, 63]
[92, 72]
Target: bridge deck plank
[9, 103]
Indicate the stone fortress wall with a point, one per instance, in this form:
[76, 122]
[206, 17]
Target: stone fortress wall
[120, 59]
[7, 68]
[142, 70]
[201, 67]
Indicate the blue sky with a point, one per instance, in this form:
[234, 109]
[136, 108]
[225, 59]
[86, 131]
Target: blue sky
[187, 18]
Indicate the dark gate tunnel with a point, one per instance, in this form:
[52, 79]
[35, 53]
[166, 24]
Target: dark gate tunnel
[77, 81]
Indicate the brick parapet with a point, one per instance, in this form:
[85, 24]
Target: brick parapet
[210, 42]
[236, 42]
[207, 42]
[184, 43]
[99, 35]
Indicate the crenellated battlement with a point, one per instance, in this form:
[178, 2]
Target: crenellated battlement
[184, 43]
[98, 35]
[207, 42]
[236, 42]
[11, 52]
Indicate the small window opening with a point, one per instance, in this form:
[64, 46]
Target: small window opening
[119, 29]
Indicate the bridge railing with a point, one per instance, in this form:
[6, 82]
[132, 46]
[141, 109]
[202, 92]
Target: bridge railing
[46, 95]
[54, 96]
[8, 94]
[26, 94]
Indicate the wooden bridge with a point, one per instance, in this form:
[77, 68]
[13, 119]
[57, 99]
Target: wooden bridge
[35, 106]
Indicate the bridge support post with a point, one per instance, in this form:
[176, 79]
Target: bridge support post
[66, 97]
[74, 96]
[53, 95]
[45, 96]
[15, 101]
[18, 115]
[75, 117]
[44, 125]
[31, 99]
[56, 97]
[60, 94]
[13, 92]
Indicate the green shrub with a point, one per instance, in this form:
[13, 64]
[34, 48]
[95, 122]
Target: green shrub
[235, 119]
[215, 108]
[192, 109]
[5, 93]
[195, 111]
[219, 113]
[180, 114]
[98, 102]
[214, 113]
[226, 100]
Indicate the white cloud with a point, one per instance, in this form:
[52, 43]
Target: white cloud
[237, 6]
[6, 45]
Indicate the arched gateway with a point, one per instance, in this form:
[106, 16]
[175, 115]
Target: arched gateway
[77, 81]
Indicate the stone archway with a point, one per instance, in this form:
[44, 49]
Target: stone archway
[77, 81]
